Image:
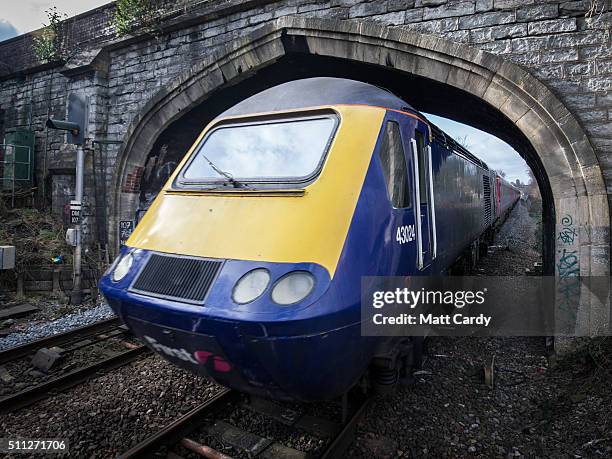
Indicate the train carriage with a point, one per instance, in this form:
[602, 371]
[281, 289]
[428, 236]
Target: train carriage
[247, 267]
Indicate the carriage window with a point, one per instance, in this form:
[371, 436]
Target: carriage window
[277, 151]
[394, 166]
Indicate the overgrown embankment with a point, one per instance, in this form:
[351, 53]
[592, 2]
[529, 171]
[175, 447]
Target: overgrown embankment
[37, 236]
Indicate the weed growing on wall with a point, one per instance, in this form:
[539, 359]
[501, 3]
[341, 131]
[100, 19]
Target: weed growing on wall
[50, 43]
[142, 15]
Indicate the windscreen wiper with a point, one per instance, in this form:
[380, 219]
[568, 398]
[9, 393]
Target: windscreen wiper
[227, 175]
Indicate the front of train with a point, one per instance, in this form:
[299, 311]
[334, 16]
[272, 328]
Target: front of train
[241, 269]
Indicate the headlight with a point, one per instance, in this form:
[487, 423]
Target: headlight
[251, 286]
[123, 267]
[293, 287]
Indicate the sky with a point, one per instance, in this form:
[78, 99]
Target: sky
[495, 152]
[17, 17]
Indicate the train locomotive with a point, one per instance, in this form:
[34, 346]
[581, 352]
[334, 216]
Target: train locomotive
[247, 266]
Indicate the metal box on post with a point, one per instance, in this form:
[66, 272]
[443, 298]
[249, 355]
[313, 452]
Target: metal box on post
[7, 257]
[18, 157]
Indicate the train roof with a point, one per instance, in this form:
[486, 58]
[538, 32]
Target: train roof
[452, 144]
[312, 92]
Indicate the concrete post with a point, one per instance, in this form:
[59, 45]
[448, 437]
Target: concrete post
[56, 281]
[20, 286]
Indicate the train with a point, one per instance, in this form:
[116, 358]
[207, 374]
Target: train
[247, 266]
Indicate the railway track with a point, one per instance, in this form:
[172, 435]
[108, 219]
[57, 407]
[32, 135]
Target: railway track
[206, 432]
[83, 340]
[81, 333]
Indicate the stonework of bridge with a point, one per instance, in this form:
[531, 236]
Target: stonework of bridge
[538, 74]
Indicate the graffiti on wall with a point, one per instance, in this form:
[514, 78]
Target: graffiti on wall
[568, 273]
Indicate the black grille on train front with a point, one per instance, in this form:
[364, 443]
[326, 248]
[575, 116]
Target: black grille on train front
[182, 278]
[487, 198]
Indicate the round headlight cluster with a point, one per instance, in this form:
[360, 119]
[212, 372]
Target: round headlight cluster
[293, 287]
[123, 267]
[251, 286]
[290, 289]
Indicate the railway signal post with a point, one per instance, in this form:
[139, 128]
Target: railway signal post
[77, 118]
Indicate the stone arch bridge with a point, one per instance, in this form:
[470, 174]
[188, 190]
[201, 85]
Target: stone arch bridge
[537, 74]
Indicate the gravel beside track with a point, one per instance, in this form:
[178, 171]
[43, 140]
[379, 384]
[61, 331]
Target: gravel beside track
[108, 415]
[66, 323]
[517, 236]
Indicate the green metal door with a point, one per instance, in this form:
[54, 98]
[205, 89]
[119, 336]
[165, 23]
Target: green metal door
[18, 158]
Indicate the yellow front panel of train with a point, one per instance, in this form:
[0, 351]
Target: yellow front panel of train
[274, 227]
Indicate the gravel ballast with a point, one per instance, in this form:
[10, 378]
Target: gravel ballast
[63, 324]
[108, 415]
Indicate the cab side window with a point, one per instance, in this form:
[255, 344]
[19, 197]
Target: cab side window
[394, 167]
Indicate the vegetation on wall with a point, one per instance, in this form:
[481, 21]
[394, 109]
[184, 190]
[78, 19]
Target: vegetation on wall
[50, 44]
[142, 15]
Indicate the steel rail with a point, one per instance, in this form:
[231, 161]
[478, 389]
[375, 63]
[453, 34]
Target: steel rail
[41, 391]
[14, 353]
[203, 450]
[338, 446]
[177, 432]
[174, 432]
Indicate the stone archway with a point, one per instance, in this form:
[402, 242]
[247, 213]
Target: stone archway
[567, 158]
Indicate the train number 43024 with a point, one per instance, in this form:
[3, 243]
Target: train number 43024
[405, 234]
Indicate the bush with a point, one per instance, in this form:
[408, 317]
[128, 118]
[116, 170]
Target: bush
[50, 44]
[37, 236]
[131, 15]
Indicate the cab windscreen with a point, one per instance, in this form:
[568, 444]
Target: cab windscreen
[280, 151]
